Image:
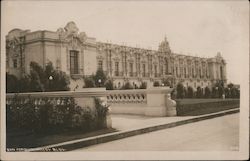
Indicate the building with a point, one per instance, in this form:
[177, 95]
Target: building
[78, 55]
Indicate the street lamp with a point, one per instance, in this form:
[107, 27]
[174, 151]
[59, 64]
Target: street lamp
[50, 79]
[99, 81]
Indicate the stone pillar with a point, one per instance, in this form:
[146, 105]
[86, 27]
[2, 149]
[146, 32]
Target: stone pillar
[170, 106]
[158, 104]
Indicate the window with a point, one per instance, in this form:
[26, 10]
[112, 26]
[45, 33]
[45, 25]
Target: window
[100, 65]
[143, 70]
[131, 69]
[176, 71]
[194, 85]
[116, 68]
[15, 63]
[155, 70]
[181, 70]
[161, 70]
[166, 67]
[185, 72]
[74, 62]
[221, 72]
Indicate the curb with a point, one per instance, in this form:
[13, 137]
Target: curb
[80, 143]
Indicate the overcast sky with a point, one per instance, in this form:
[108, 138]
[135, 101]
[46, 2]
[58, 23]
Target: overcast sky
[192, 28]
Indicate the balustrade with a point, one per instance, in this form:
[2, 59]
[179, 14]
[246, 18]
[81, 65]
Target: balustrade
[150, 102]
[127, 98]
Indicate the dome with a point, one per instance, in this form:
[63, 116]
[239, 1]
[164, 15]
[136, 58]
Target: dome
[164, 46]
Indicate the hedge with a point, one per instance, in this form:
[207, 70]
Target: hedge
[205, 107]
[48, 117]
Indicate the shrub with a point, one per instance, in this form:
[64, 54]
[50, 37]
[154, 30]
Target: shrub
[38, 80]
[180, 90]
[89, 82]
[48, 116]
[99, 75]
[127, 85]
[11, 83]
[199, 92]
[109, 85]
[143, 85]
[190, 92]
[166, 82]
[207, 92]
[156, 84]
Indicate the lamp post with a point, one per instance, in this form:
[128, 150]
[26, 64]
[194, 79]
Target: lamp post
[50, 80]
[99, 81]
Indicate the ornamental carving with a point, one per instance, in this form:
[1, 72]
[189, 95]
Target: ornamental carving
[70, 32]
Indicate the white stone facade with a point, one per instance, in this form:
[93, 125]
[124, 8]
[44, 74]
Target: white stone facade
[79, 55]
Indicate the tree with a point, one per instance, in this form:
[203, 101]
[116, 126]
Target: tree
[166, 82]
[109, 85]
[89, 82]
[38, 80]
[207, 92]
[54, 80]
[227, 92]
[35, 82]
[143, 85]
[156, 84]
[220, 91]
[230, 85]
[100, 78]
[198, 92]
[11, 83]
[214, 92]
[48, 79]
[190, 92]
[180, 90]
[127, 85]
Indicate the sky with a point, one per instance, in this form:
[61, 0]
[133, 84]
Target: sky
[198, 28]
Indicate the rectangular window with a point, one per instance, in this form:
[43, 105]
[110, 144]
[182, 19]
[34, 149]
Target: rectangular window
[100, 66]
[74, 62]
[166, 68]
[143, 70]
[116, 68]
[155, 70]
[15, 63]
[161, 70]
[131, 69]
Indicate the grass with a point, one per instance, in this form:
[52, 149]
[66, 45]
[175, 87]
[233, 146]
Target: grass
[201, 100]
[195, 107]
[22, 139]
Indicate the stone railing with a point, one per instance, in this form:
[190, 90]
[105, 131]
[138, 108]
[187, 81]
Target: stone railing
[154, 101]
[82, 98]
[126, 97]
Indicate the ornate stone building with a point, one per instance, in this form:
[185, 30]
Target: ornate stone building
[79, 55]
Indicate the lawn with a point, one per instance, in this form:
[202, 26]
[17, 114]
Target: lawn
[24, 140]
[195, 107]
[202, 100]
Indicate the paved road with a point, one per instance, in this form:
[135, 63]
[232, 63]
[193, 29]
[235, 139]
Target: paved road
[220, 133]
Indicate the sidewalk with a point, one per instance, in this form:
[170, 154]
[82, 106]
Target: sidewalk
[131, 122]
[131, 125]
